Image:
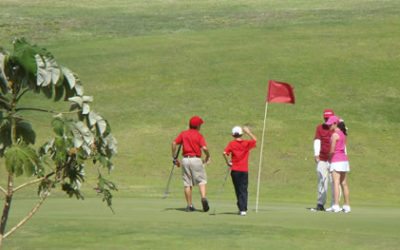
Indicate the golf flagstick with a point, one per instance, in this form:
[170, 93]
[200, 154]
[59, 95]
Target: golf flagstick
[278, 92]
[228, 170]
[261, 157]
[166, 192]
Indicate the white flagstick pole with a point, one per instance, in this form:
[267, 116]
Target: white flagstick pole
[261, 156]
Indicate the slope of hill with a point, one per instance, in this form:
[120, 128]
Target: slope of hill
[152, 65]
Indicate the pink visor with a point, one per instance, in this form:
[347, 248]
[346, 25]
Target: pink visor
[332, 120]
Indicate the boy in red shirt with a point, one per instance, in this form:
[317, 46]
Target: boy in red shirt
[239, 150]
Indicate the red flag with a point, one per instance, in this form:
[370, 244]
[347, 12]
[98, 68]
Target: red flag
[280, 92]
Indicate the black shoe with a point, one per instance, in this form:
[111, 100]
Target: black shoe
[320, 207]
[204, 202]
[190, 208]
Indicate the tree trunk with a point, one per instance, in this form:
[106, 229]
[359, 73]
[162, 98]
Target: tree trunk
[6, 209]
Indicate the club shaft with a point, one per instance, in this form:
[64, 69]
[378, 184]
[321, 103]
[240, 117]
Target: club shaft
[166, 192]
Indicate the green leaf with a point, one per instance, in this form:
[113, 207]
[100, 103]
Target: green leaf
[111, 143]
[22, 159]
[69, 82]
[47, 70]
[5, 103]
[59, 92]
[68, 92]
[100, 122]
[85, 109]
[43, 77]
[5, 135]
[82, 135]
[72, 191]
[3, 77]
[69, 77]
[105, 187]
[76, 99]
[47, 91]
[25, 132]
[79, 88]
[58, 126]
[53, 69]
[24, 55]
[45, 186]
[82, 101]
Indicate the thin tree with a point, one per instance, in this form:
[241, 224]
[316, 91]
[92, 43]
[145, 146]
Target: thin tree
[80, 134]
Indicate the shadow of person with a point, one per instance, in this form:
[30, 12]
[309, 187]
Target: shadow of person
[181, 210]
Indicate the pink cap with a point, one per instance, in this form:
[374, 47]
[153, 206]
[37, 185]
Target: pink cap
[195, 121]
[333, 119]
[328, 113]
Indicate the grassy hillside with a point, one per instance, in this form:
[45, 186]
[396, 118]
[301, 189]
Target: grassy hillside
[152, 64]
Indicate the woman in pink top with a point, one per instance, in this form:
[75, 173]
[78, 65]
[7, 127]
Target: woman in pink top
[339, 164]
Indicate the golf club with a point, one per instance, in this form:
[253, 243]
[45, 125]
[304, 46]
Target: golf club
[228, 170]
[166, 192]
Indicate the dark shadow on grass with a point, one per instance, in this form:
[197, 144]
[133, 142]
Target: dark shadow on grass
[225, 213]
[180, 209]
[312, 209]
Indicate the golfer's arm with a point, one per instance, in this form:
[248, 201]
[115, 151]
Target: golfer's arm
[207, 153]
[333, 145]
[226, 158]
[249, 133]
[252, 136]
[317, 147]
[173, 149]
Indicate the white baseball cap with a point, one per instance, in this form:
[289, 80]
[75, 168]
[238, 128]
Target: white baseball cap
[237, 130]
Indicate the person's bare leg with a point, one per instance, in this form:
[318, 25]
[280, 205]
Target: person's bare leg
[345, 188]
[336, 188]
[204, 201]
[188, 195]
[202, 188]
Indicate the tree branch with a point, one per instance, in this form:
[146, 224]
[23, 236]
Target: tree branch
[33, 182]
[23, 93]
[28, 183]
[6, 104]
[29, 216]
[3, 190]
[47, 111]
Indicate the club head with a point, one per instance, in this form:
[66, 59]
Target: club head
[165, 195]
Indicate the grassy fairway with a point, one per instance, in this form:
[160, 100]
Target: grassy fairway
[160, 224]
[152, 64]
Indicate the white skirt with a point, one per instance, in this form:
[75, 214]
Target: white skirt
[340, 166]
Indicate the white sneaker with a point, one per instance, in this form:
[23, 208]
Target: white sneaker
[334, 208]
[346, 209]
[242, 213]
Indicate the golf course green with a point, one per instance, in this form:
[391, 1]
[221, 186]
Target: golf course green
[151, 65]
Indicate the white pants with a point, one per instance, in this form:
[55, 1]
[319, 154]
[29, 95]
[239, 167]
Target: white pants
[324, 179]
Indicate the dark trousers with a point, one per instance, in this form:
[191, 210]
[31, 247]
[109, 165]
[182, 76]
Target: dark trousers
[240, 182]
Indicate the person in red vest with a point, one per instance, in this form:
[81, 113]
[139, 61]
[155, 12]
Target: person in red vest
[193, 167]
[238, 150]
[322, 145]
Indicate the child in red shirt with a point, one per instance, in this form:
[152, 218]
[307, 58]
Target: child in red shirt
[238, 150]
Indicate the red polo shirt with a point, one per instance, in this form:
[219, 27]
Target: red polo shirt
[239, 150]
[323, 133]
[192, 142]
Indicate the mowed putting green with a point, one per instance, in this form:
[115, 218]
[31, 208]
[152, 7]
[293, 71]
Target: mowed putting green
[151, 65]
[141, 223]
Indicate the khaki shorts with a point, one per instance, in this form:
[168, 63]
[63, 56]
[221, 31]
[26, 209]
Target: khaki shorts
[193, 172]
